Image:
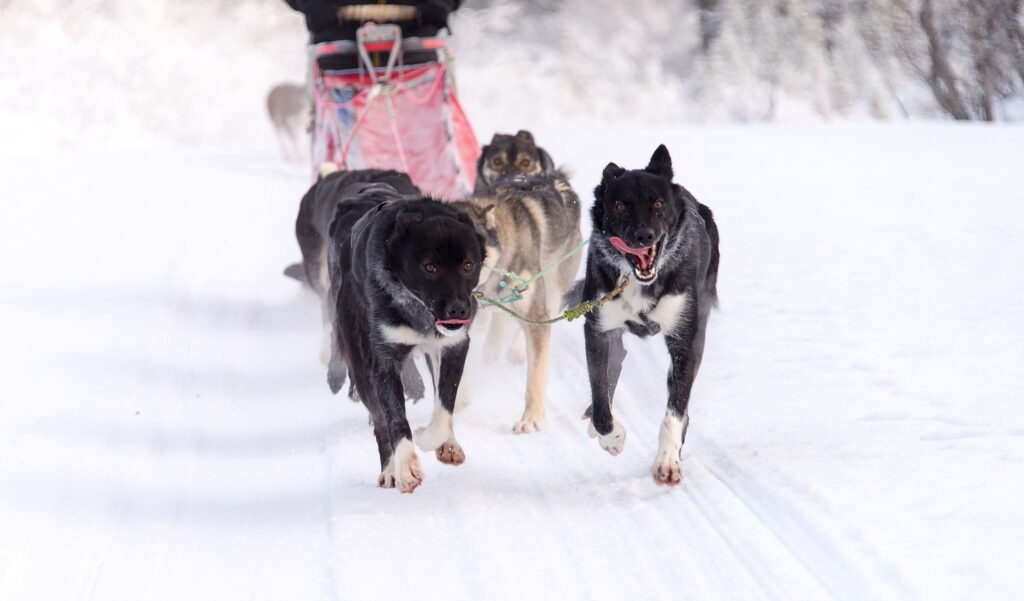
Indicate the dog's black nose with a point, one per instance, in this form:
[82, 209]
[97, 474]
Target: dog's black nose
[644, 236]
[457, 309]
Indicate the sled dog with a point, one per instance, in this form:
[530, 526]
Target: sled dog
[531, 223]
[653, 231]
[402, 272]
[316, 212]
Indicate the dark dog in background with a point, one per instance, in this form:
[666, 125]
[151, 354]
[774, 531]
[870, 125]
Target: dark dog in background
[653, 231]
[507, 157]
[402, 273]
[317, 212]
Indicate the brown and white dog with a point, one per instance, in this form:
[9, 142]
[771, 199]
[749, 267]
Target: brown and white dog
[531, 220]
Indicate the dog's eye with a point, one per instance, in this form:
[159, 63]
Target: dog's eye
[468, 266]
[620, 207]
[429, 267]
[525, 164]
[497, 162]
[659, 203]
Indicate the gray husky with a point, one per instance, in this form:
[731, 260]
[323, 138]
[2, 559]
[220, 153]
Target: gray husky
[530, 222]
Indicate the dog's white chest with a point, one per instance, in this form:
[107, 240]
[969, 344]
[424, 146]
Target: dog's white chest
[632, 305]
[425, 342]
[668, 311]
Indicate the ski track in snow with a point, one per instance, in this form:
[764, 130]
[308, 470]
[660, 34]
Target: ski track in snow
[166, 431]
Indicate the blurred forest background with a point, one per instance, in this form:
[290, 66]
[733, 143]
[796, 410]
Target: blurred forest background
[117, 72]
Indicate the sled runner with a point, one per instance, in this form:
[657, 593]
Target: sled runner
[374, 111]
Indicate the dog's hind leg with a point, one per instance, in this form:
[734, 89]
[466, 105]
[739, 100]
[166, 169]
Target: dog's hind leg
[327, 344]
[686, 347]
[412, 383]
[439, 434]
[296, 137]
[496, 341]
[311, 244]
[281, 133]
[514, 347]
[337, 372]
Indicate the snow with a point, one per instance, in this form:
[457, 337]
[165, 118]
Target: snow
[166, 431]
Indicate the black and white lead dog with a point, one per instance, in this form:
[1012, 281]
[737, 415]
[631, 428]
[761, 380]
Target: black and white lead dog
[656, 232]
[402, 273]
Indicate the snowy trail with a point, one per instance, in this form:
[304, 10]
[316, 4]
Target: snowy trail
[165, 430]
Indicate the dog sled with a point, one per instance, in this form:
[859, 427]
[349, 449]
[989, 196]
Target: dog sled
[384, 102]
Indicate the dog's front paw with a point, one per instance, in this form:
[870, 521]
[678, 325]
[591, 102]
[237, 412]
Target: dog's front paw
[529, 423]
[450, 453]
[408, 473]
[614, 441]
[667, 470]
[429, 438]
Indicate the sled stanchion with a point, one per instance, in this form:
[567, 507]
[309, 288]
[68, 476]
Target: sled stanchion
[392, 119]
[567, 315]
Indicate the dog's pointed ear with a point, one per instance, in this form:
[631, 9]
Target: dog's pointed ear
[406, 218]
[611, 171]
[403, 220]
[482, 210]
[465, 212]
[486, 214]
[546, 164]
[525, 136]
[481, 206]
[661, 163]
[481, 160]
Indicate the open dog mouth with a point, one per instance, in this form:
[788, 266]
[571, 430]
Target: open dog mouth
[447, 327]
[641, 258]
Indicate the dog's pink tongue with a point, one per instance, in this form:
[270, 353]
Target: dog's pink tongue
[452, 322]
[640, 253]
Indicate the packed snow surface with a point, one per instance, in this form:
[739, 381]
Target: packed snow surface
[857, 429]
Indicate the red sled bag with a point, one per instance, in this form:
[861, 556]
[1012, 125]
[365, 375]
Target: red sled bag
[372, 111]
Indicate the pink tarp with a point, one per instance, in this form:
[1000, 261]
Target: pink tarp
[414, 123]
